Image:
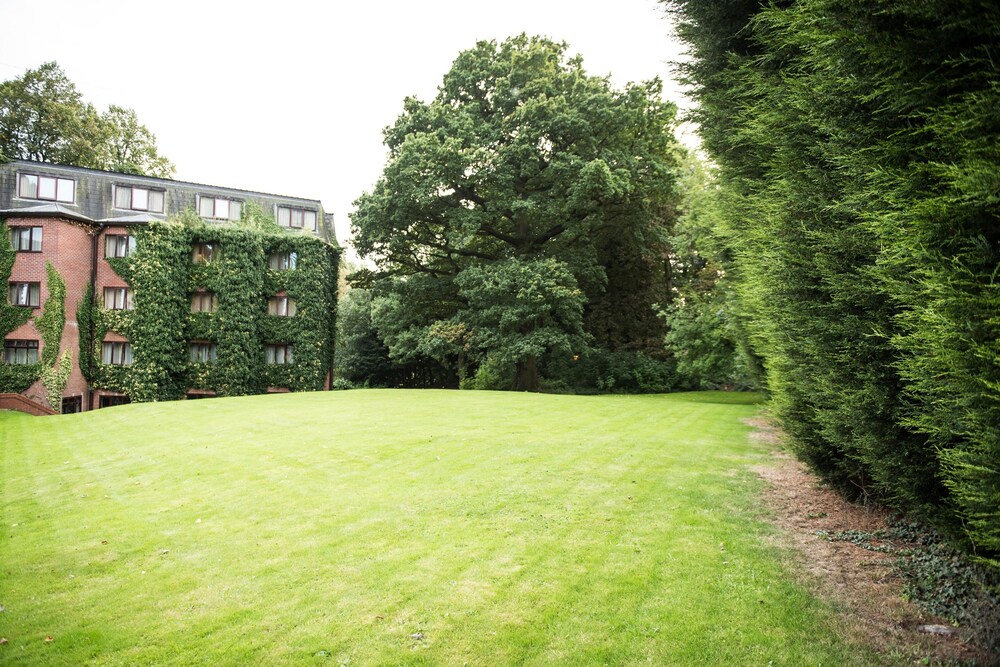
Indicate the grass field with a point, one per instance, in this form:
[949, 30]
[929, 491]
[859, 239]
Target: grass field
[386, 527]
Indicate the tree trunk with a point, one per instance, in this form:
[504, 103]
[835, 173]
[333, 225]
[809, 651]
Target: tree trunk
[527, 375]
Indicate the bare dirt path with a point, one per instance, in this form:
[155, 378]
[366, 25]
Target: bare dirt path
[861, 583]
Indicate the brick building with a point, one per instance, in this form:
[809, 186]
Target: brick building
[79, 224]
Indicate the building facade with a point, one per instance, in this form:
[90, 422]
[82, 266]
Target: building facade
[124, 287]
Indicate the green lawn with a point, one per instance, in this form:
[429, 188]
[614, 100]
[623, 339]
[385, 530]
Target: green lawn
[385, 527]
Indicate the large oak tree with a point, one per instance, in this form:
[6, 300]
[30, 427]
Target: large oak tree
[519, 176]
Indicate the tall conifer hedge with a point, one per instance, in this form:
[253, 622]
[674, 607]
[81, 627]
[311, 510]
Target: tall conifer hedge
[859, 153]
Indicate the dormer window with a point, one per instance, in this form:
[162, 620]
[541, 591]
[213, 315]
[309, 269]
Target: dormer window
[132, 198]
[297, 218]
[48, 188]
[217, 208]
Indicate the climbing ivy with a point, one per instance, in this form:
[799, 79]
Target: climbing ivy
[13, 378]
[163, 276]
[52, 321]
[54, 379]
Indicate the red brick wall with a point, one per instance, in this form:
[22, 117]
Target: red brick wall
[67, 246]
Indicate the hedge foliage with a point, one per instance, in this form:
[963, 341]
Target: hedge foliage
[860, 175]
[163, 275]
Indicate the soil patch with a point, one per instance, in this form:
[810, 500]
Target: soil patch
[860, 582]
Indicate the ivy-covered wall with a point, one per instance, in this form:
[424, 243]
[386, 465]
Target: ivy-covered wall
[13, 379]
[163, 276]
[51, 368]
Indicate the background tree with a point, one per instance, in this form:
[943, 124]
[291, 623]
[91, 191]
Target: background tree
[130, 147]
[43, 117]
[521, 156]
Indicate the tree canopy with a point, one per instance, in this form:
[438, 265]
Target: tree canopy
[511, 188]
[43, 117]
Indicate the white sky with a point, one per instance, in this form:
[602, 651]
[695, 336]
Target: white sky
[291, 97]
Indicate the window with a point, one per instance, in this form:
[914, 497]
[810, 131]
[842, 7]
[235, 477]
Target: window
[72, 405]
[20, 351]
[202, 353]
[26, 239]
[139, 199]
[112, 401]
[203, 253]
[119, 245]
[283, 261]
[218, 209]
[25, 294]
[118, 298]
[204, 302]
[281, 306]
[118, 354]
[279, 353]
[52, 188]
[300, 218]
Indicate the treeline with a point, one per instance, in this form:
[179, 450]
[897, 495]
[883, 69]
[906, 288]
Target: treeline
[859, 214]
[530, 231]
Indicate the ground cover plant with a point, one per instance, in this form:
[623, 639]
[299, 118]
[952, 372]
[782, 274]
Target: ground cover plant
[398, 527]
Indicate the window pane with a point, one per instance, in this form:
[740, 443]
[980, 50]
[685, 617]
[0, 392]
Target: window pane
[270, 354]
[140, 199]
[234, 210]
[293, 260]
[129, 299]
[106, 350]
[221, 208]
[123, 197]
[46, 187]
[110, 245]
[156, 201]
[310, 222]
[296, 218]
[36, 239]
[289, 308]
[284, 216]
[34, 296]
[288, 354]
[206, 208]
[127, 354]
[31, 354]
[65, 192]
[29, 186]
[130, 245]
